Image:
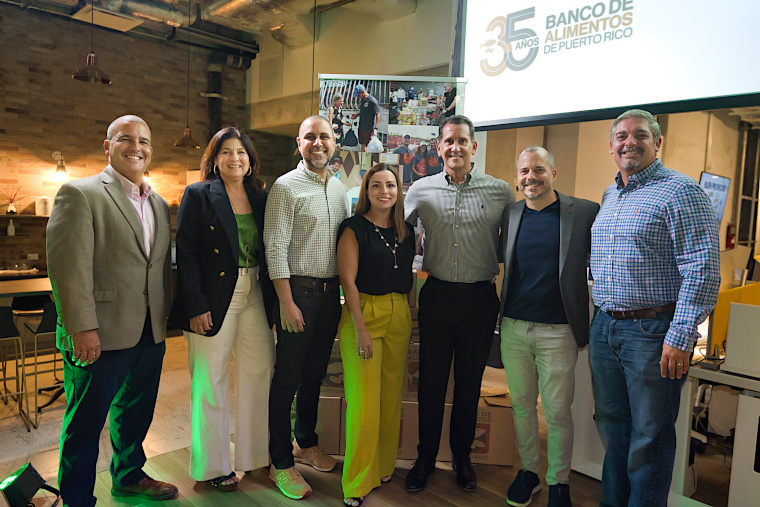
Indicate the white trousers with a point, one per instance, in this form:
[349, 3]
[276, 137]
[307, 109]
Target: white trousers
[541, 355]
[246, 336]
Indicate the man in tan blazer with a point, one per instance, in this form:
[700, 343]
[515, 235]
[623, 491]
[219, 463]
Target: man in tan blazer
[108, 241]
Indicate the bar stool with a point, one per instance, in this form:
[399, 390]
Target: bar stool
[27, 309]
[9, 337]
[46, 329]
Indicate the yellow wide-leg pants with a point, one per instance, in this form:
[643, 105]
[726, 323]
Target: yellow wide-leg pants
[373, 390]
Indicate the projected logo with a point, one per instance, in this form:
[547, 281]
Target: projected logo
[511, 41]
[508, 47]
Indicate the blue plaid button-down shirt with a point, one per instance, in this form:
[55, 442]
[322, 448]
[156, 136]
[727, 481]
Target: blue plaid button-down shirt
[655, 241]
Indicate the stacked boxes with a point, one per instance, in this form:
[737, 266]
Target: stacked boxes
[494, 433]
[332, 384]
[329, 424]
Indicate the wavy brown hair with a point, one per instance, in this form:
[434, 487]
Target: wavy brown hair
[215, 145]
[363, 205]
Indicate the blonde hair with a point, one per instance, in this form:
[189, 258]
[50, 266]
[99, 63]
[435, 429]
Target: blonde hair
[397, 213]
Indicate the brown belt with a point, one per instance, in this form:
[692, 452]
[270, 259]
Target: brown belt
[642, 313]
[321, 284]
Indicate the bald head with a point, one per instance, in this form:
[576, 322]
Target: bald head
[308, 123]
[540, 150]
[118, 122]
[316, 142]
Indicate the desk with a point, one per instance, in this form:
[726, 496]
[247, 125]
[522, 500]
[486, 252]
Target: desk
[25, 287]
[588, 451]
[743, 478]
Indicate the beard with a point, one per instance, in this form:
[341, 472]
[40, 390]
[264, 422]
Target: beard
[631, 164]
[315, 163]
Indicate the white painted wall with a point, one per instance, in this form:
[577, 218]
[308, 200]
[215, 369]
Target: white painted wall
[351, 43]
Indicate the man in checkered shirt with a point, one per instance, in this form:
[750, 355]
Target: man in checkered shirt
[655, 264]
[304, 209]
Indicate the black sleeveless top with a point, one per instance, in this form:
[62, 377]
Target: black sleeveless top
[376, 275]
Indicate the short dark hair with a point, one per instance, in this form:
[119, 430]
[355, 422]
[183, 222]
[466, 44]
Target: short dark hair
[458, 119]
[541, 151]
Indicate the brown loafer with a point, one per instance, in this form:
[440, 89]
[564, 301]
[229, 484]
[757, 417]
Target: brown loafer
[147, 488]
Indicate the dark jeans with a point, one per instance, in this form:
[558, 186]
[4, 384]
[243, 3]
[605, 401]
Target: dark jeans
[635, 409]
[300, 366]
[458, 323]
[123, 385]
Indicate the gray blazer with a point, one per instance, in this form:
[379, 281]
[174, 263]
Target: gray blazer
[101, 275]
[575, 219]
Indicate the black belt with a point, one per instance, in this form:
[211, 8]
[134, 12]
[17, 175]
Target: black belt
[642, 313]
[321, 284]
[461, 285]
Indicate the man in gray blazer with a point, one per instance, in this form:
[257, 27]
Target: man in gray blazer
[545, 318]
[109, 264]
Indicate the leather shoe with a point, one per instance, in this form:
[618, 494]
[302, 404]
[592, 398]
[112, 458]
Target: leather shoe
[147, 488]
[417, 478]
[466, 478]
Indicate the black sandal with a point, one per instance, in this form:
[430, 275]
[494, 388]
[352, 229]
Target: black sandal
[350, 501]
[218, 483]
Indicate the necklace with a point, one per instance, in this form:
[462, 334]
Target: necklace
[395, 244]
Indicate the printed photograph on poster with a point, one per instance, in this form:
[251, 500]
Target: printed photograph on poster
[353, 108]
[422, 103]
[417, 147]
[355, 166]
[363, 109]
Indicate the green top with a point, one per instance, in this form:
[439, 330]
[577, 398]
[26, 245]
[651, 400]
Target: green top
[248, 237]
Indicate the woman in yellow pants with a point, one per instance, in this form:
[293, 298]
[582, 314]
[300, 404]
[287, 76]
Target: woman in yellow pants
[375, 252]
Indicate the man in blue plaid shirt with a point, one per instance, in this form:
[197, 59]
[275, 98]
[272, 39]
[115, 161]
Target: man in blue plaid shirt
[655, 264]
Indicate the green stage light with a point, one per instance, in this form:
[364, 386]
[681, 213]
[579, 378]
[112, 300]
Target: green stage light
[19, 487]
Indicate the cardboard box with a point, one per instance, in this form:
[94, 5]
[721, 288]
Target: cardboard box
[332, 384]
[409, 432]
[329, 423]
[415, 338]
[412, 372]
[494, 442]
[494, 431]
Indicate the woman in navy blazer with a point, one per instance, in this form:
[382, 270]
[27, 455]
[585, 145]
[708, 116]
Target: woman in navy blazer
[224, 305]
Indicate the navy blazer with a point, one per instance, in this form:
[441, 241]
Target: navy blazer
[207, 254]
[575, 219]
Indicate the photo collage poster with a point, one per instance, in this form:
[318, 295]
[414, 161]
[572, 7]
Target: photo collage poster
[387, 119]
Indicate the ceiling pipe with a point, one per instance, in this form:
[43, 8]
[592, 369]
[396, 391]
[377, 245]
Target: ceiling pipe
[214, 66]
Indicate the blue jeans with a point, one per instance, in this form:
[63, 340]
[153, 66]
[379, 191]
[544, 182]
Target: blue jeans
[635, 409]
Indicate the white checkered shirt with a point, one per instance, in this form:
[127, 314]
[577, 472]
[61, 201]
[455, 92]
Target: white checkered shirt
[301, 224]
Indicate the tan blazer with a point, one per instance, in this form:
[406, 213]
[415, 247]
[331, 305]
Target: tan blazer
[101, 275]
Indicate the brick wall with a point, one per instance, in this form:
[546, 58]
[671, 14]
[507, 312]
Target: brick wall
[43, 110]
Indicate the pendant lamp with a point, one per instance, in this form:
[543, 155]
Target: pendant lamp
[90, 73]
[187, 141]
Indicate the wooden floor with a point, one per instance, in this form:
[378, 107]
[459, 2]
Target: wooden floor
[493, 481]
[255, 488]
